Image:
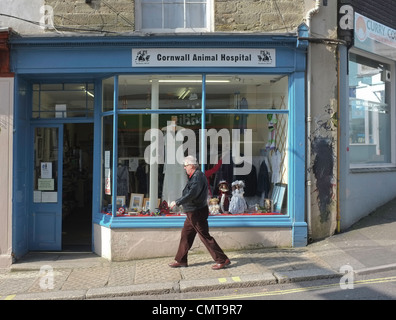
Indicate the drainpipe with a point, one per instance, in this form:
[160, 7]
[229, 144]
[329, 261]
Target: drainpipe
[309, 16]
[338, 217]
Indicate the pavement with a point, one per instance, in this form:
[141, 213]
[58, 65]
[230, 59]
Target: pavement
[369, 246]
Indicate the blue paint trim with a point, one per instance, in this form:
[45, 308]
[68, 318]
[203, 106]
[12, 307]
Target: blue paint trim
[20, 208]
[115, 148]
[203, 125]
[56, 206]
[97, 157]
[102, 220]
[296, 192]
[40, 57]
[214, 221]
[179, 41]
[207, 111]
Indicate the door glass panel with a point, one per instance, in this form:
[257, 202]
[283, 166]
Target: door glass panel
[45, 174]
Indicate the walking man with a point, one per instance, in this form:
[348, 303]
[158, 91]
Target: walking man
[194, 201]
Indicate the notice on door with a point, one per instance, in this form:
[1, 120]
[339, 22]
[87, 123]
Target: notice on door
[46, 170]
[46, 184]
[49, 197]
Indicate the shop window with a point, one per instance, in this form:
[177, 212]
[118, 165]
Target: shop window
[246, 92]
[107, 162]
[231, 146]
[171, 15]
[171, 92]
[369, 111]
[63, 100]
[108, 94]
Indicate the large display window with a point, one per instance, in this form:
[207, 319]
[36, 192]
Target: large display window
[236, 126]
[370, 106]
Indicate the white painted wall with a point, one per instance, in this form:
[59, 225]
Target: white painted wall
[130, 244]
[21, 10]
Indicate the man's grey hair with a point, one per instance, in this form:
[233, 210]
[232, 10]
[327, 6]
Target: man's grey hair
[191, 160]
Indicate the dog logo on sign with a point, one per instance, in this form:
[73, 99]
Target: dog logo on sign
[142, 57]
[265, 57]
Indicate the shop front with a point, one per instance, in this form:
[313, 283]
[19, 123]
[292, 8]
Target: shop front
[102, 127]
[369, 113]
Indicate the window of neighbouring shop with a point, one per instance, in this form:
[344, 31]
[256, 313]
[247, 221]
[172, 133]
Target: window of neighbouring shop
[370, 105]
[236, 125]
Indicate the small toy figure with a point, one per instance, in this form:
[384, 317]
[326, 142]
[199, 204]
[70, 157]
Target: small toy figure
[163, 208]
[214, 207]
[224, 197]
[238, 203]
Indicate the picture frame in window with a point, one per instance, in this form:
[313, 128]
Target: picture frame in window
[120, 201]
[278, 195]
[146, 203]
[136, 201]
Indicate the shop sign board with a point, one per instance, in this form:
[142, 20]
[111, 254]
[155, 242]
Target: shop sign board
[375, 37]
[203, 57]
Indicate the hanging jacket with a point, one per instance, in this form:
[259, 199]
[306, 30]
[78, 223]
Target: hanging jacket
[263, 180]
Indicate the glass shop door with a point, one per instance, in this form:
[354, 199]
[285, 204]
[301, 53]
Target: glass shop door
[45, 225]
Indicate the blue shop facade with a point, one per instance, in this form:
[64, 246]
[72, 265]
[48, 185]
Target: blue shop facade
[101, 126]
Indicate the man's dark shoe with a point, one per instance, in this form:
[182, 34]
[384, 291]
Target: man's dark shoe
[178, 265]
[219, 266]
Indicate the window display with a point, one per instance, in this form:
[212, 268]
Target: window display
[231, 140]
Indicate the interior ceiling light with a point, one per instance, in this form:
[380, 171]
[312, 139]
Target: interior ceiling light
[89, 93]
[184, 94]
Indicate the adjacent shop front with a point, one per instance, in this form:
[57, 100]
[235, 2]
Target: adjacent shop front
[369, 114]
[102, 127]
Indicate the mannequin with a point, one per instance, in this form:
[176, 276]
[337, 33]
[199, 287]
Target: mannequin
[174, 174]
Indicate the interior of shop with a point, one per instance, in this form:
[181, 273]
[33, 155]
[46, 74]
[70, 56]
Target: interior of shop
[77, 187]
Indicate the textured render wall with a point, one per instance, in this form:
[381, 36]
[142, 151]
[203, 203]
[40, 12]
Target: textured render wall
[230, 15]
[98, 16]
[22, 15]
[108, 16]
[323, 135]
[259, 16]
